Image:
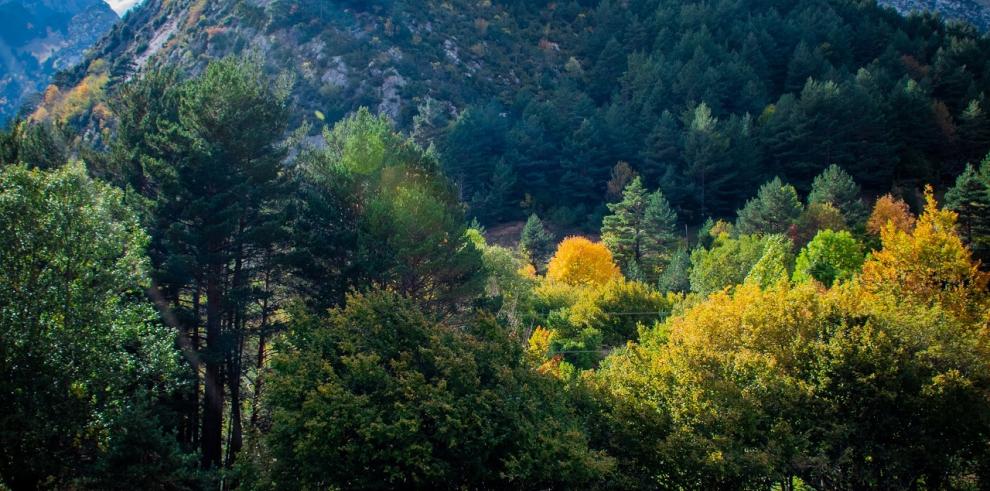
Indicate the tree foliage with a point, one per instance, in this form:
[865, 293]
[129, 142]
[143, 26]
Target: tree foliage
[85, 363]
[837, 188]
[774, 209]
[579, 261]
[830, 257]
[379, 386]
[536, 242]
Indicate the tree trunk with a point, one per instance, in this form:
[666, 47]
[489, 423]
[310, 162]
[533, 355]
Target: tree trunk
[234, 377]
[258, 377]
[237, 324]
[194, 334]
[213, 398]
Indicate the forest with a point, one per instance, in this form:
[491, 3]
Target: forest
[194, 311]
[743, 248]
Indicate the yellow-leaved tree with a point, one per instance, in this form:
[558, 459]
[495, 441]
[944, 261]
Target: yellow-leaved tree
[579, 261]
[928, 264]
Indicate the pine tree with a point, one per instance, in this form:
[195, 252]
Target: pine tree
[641, 230]
[970, 198]
[775, 208]
[536, 242]
[676, 276]
[661, 235]
[624, 230]
[974, 130]
[836, 187]
[213, 216]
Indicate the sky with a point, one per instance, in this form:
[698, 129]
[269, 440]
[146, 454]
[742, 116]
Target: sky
[121, 6]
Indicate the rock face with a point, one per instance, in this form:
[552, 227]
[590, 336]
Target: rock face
[39, 38]
[394, 56]
[976, 12]
[339, 54]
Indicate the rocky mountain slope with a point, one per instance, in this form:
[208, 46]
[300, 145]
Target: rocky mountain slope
[533, 103]
[41, 37]
[976, 12]
[344, 54]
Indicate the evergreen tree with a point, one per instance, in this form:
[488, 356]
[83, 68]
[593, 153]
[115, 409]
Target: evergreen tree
[970, 198]
[473, 147]
[837, 188]
[774, 209]
[641, 230]
[676, 276]
[214, 216]
[536, 242]
[709, 165]
[974, 130]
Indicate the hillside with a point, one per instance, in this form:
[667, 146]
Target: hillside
[533, 104]
[976, 12]
[39, 38]
[502, 244]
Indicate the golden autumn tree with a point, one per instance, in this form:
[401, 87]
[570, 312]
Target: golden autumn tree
[579, 261]
[771, 385]
[929, 264]
[893, 210]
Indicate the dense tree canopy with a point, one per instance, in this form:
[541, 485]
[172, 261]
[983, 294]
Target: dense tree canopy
[378, 395]
[367, 308]
[86, 365]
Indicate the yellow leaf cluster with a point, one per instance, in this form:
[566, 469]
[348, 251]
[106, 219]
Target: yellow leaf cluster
[579, 261]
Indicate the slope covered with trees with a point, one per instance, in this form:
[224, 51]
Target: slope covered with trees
[211, 302]
[39, 38]
[751, 257]
[532, 105]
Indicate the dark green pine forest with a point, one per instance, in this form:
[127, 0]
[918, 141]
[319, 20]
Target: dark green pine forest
[502, 244]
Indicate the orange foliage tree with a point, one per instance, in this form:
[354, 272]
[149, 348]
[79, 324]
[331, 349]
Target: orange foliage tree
[893, 210]
[579, 261]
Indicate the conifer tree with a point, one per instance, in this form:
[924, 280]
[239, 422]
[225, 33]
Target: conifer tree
[207, 153]
[641, 229]
[536, 242]
[970, 198]
[836, 187]
[772, 211]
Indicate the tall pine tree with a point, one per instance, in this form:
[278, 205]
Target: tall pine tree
[641, 231]
[970, 198]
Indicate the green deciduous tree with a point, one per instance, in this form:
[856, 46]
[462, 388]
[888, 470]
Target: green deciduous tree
[831, 256]
[727, 262]
[379, 395]
[84, 362]
[387, 217]
[775, 263]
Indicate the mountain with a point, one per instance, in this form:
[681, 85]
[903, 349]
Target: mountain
[41, 37]
[976, 12]
[532, 104]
